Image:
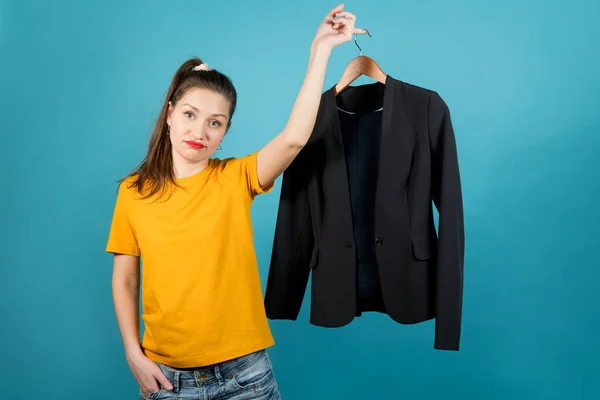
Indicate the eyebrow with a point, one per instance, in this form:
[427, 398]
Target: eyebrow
[212, 115]
[189, 105]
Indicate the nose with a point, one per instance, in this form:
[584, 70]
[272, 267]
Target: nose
[199, 134]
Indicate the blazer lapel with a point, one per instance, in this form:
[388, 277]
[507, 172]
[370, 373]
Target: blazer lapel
[335, 176]
[395, 155]
[397, 146]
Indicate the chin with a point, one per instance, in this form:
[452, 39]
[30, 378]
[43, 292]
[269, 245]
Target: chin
[194, 156]
[196, 159]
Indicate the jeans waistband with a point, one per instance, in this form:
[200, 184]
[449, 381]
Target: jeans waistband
[211, 373]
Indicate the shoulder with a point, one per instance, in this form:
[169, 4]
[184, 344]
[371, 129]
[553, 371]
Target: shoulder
[426, 101]
[422, 95]
[128, 187]
[234, 164]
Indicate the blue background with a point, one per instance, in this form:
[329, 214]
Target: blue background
[82, 82]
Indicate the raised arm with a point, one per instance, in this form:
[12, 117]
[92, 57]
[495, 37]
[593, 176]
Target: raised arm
[336, 28]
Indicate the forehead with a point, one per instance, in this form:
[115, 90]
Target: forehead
[206, 101]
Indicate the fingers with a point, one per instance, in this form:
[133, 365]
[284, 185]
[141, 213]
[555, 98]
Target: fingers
[331, 14]
[164, 382]
[147, 390]
[346, 14]
[343, 19]
[336, 9]
[346, 19]
[337, 24]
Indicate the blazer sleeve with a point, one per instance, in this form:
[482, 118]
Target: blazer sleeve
[293, 243]
[447, 197]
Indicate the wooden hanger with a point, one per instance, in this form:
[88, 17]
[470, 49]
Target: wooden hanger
[361, 65]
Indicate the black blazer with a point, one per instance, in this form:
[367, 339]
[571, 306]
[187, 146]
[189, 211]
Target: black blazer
[421, 270]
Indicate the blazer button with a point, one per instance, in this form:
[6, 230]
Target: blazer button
[378, 240]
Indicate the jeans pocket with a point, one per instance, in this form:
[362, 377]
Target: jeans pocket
[257, 376]
[151, 396]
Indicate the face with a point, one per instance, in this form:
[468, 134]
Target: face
[198, 122]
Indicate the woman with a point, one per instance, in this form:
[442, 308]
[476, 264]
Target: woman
[187, 216]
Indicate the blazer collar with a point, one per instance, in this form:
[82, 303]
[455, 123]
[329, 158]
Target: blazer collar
[394, 160]
[331, 112]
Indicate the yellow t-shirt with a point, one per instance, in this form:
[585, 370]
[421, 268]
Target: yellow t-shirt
[201, 293]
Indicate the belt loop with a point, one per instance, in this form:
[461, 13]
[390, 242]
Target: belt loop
[176, 378]
[218, 375]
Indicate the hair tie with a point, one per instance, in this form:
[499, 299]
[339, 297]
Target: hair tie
[201, 67]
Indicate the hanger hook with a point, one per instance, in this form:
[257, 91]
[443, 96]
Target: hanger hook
[356, 42]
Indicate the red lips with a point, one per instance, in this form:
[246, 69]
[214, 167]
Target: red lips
[195, 145]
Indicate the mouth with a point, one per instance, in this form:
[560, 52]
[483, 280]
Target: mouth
[195, 145]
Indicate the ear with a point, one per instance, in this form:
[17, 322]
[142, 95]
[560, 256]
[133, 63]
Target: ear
[169, 111]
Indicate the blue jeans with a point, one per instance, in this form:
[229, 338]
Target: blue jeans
[246, 377]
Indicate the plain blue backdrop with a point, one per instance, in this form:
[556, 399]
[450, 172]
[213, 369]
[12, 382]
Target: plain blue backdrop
[81, 85]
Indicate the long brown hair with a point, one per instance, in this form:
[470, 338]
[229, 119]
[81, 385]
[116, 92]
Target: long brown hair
[155, 172]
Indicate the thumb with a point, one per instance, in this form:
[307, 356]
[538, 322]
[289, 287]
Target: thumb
[164, 382]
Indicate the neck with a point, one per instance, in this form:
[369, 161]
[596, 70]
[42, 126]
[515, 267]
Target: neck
[184, 169]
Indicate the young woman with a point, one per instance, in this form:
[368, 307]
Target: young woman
[187, 216]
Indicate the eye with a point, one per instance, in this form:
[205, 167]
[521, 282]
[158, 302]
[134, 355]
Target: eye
[189, 114]
[215, 123]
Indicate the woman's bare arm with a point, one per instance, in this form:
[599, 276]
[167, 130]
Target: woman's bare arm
[126, 297]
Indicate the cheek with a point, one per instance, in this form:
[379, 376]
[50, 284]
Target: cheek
[180, 128]
[181, 124]
[177, 136]
[218, 134]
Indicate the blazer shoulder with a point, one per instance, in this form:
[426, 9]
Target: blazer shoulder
[422, 95]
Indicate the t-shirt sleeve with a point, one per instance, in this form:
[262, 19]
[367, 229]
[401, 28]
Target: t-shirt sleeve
[245, 171]
[121, 238]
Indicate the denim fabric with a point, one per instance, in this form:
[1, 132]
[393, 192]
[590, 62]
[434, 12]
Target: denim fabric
[246, 377]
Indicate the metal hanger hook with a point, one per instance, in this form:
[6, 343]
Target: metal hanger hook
[356, 42]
